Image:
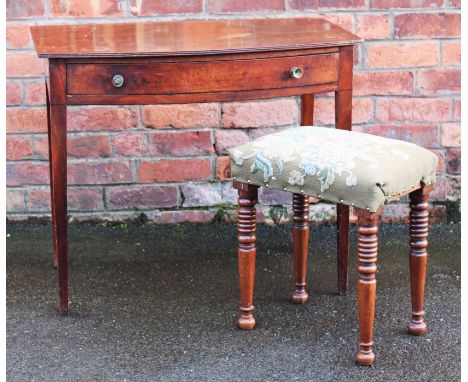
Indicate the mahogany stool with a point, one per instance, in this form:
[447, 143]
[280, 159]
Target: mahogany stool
[344, 167]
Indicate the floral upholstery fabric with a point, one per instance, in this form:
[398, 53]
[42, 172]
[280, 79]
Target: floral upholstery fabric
[348, 167]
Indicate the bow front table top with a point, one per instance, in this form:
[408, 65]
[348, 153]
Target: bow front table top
[185, 62]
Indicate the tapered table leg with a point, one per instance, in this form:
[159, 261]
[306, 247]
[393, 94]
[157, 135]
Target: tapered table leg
[58, 164]
[52, 204]
[300, 235]
[419, 231]
[246, 252]
[367, 267]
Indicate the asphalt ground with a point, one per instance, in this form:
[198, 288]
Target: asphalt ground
[159, 303]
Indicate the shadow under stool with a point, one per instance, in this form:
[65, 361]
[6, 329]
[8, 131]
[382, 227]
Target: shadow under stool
[347, 168]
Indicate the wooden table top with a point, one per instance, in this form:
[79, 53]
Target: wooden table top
[187, 37]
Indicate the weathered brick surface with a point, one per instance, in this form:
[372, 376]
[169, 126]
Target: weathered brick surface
[181, 143]
[13, 93]
[181, 116]
[439, 81]
[168, 160]
[403, 54]
[174, 170]
[98, 118]
[451, 53]
[427, 25]
[259, 113]
[373, 27]
[383, 83]
[454, 161]
[18, 147]
[413, 110]
[141, 197]
[86, 8]
[78, 199]
[450, 135]
[153, 8]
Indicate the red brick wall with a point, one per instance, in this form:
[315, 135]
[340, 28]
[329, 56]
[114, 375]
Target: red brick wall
[168, 161]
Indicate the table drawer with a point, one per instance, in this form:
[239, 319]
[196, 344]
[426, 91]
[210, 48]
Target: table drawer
[200, 76]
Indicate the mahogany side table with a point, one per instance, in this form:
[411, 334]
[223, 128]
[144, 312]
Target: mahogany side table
[189, 62]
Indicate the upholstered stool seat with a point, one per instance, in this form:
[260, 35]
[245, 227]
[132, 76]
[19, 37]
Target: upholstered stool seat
[348, 168]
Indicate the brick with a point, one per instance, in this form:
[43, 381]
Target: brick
[151, 7]
[423, 135]
[319, 4]
[439, 81]
[383, 83]
[188, 216]
[453, 161]
[86, 8]
[428, 25]
[85, 199]
[18, 147]
[15, 201]
[385, 4]
[181, 116]
[450, 135]
[89, 146]
[413, 110]
[13, 93]
[128, 144]
[32, 120]
[25, 173]
[457, 110]
[20, 9]
[24, 64]
[35, 93]
[141, 197]
[174, 170]
[439, 189]
[453, 192]
[451, 53]
[324, 111]
[456, 3]
[259, 114]
[181, 143]
[234, 6]
[225, 139]
[18, 36]
[407, 54]
[223, 167]
[103, 118]
[78, 199]
[99, 172]
[440, 161]
[373, 27]
[208, 194]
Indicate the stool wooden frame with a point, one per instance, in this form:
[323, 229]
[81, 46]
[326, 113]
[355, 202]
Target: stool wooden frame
[367, 261]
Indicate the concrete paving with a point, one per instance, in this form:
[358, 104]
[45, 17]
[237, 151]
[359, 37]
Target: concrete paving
[160, 303]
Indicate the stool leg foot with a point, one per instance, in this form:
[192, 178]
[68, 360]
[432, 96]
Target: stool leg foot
[367, 267]
[300, 235]
[246, 252]
[419, 229]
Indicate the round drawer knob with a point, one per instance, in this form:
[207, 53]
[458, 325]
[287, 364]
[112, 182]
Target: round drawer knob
[296, 72]
[117, 80]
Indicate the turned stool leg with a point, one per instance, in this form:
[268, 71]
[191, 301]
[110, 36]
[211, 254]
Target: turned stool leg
[419, 229]
[300, 235]
[367, 267]
[246, 252]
